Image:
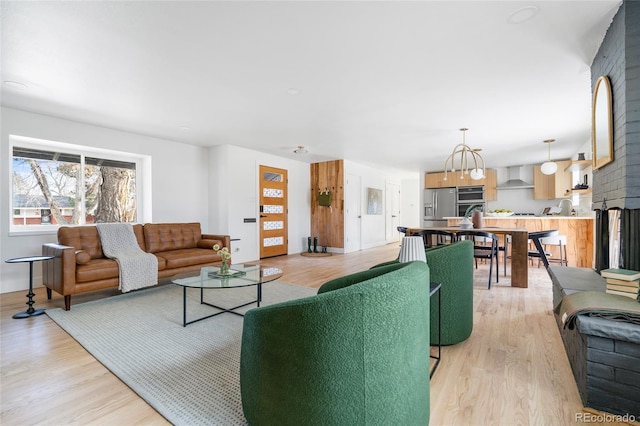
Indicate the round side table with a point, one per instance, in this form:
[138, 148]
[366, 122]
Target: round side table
[30, 259]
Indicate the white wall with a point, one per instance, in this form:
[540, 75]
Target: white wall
[372, 226]
[217, 187]
[178, 178]
[234, 195]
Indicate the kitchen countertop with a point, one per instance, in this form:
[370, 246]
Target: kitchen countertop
[526, 217]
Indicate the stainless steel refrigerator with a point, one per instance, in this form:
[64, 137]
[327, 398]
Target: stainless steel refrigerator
[438, 204]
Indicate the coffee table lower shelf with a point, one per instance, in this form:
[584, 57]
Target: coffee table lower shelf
[222, 310]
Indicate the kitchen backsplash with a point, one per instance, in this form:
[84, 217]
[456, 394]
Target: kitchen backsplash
[522, 201]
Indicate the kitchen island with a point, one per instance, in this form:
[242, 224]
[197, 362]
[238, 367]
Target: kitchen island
[579, 232]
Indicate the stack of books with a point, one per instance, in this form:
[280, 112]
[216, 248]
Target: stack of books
[622, 282]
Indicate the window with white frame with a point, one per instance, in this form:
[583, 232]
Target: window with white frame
[62, 184]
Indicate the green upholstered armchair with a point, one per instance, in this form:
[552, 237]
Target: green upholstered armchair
[356, 353]
[452, 266]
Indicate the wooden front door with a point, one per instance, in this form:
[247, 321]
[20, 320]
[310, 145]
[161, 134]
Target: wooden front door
[273, 212]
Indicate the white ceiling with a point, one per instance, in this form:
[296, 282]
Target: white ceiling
[384, 83]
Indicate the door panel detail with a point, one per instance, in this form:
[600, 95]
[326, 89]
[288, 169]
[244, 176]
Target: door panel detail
[273, 211]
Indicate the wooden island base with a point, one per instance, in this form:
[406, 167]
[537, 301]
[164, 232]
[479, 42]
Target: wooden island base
[579, 232]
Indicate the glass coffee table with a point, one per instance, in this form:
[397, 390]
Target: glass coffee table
[241, 275]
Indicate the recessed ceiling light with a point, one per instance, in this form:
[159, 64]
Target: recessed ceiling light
[15, 85]
[293, 91]
[522, 15]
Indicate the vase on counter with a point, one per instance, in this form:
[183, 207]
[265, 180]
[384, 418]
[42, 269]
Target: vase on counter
[477, 219]
[465, 223]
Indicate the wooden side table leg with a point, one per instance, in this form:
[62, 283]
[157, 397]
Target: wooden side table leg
[30, 312]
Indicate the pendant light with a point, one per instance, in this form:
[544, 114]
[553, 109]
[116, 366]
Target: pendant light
[549, 167]
[467, 157]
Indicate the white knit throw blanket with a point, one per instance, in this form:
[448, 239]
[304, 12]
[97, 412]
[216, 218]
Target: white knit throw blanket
[138, 269]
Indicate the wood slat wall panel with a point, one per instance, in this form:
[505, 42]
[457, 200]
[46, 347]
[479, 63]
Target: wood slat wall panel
[327, 223]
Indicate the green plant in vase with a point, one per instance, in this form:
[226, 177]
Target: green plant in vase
[466, 222]
[226, 258]
[471, 209]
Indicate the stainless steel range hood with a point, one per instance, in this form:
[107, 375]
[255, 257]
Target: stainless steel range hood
[515, 181]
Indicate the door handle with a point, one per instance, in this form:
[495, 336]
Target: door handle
[263, 215]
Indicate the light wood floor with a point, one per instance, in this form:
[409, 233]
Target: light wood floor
[511, 371]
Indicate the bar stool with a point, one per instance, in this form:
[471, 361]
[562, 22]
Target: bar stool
[533, 253]
[539, 252]
[559, 241]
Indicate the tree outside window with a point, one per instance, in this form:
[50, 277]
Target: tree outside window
[51, 187]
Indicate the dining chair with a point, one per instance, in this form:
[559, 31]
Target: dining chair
[504, 248]
[441, 237]
[539, 252]
[482, 250]
[402, 230]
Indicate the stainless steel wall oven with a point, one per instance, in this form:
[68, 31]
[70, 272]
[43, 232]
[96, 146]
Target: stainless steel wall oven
[467, 196]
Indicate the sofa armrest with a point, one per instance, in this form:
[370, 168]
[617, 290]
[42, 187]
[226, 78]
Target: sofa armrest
[211, 239]
[59, 274]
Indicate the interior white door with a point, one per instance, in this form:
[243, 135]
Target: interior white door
[392, 212]
[352, 213]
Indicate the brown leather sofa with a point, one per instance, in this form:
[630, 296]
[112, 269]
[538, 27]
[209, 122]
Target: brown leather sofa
[79, 265]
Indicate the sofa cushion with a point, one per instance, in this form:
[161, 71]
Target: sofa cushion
[163, 237]
[86, 238]
[81, 238]
[97, 269]
[186, 257]
[162, 263]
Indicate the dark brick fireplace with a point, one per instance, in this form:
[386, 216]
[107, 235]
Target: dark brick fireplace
[617, 184]
[605, 354]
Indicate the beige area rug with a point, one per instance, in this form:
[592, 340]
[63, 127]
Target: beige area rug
[190, 374]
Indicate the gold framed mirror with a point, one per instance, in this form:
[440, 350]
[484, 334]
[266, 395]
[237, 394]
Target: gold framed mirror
[602, 123]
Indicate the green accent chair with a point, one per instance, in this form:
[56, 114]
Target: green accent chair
[452, 266]
[356, 353]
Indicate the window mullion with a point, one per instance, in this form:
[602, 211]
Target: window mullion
[83, 204]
